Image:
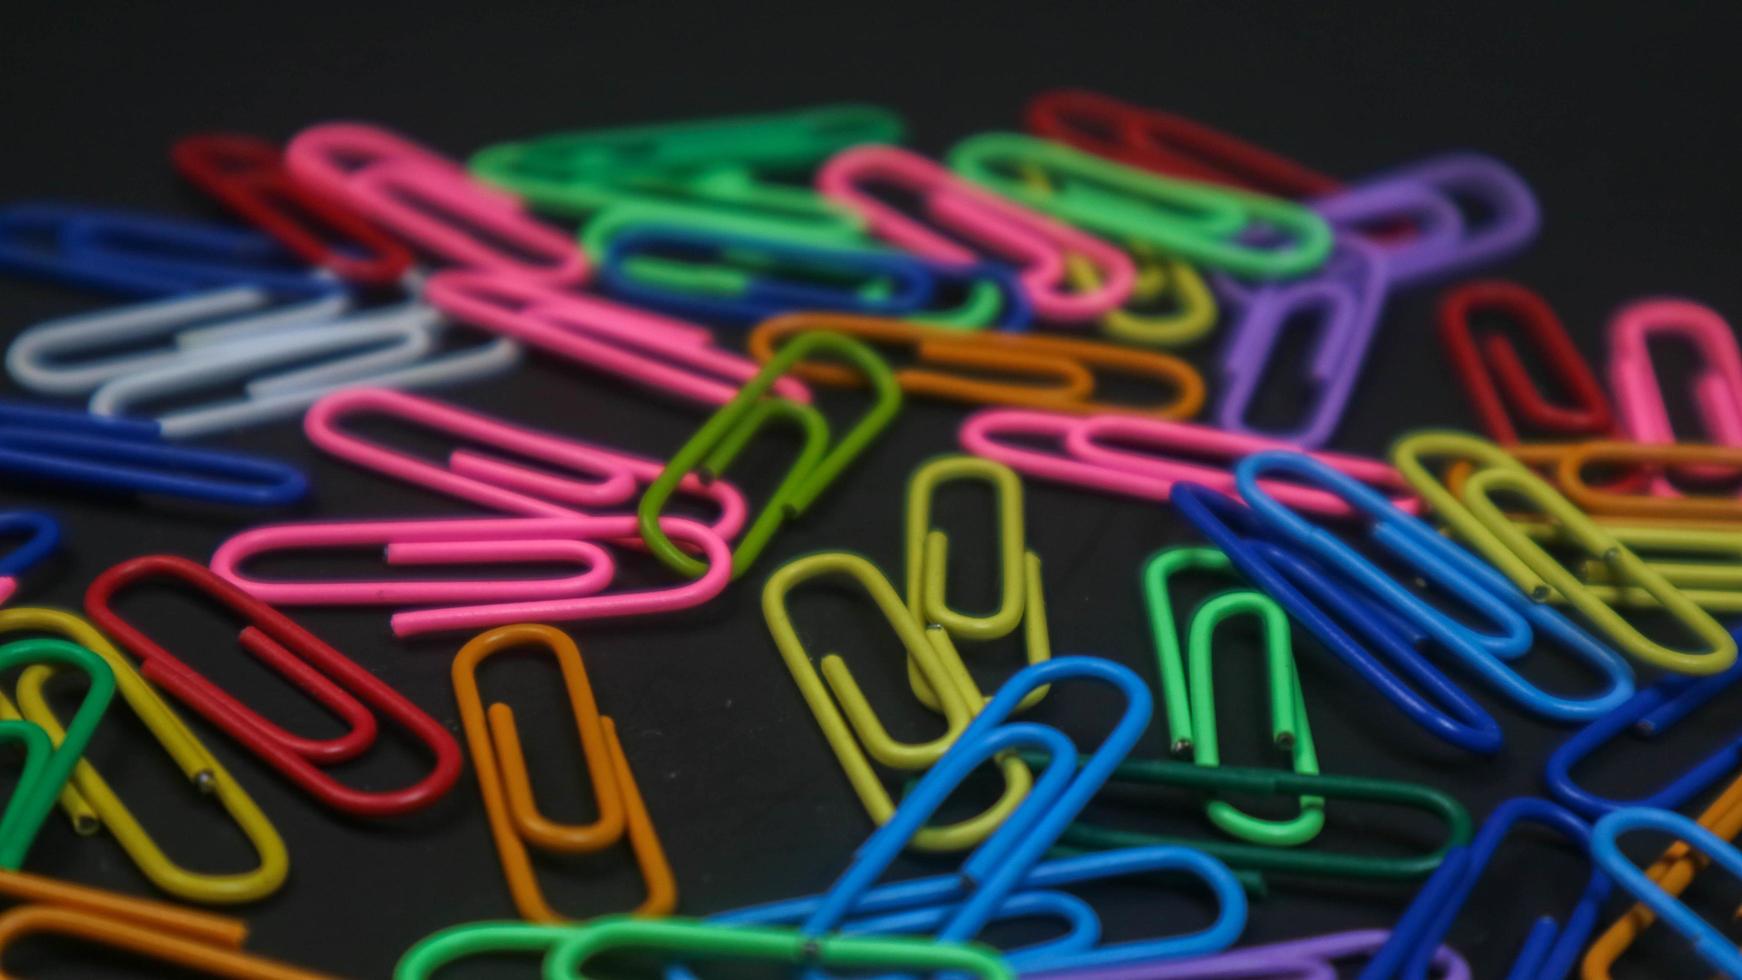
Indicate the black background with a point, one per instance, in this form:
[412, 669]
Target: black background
[1624, 123]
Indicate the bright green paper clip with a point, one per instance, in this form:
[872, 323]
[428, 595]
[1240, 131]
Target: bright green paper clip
[48, 766]
[1203, 223]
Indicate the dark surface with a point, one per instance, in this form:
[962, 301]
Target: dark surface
[1624, 125]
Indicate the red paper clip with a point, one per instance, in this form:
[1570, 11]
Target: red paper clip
[329, 677]
[247, 175]
[1494, 372]
[1169, 144]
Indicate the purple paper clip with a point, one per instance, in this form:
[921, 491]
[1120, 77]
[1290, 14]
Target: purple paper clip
[1443, 241]
[1313, 958]
[1347, 297]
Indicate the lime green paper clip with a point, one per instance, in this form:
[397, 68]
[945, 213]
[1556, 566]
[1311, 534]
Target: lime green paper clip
[1191, 720]
[567, 948]
[1203, 223]
[726, 434]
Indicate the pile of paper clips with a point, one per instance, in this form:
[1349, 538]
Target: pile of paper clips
[1012, 277]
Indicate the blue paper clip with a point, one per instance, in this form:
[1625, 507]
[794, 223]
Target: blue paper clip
[1518, 621]
[1711, 944]
[1444, 710]
[750, 289]
[145, 254]
[41, 536]
[1550, 950]
[127, 455]
[1007, 860]
[1649, 712]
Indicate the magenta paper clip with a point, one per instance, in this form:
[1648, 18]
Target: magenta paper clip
[431, 202]
[1313, 958]
[1348, 296]
[474, 541]
[1439, 247]
[653, 351]
[1717, 387]
[615, 479]
[1144, 458]
[1035, 244]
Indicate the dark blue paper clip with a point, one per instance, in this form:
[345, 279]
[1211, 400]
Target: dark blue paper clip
[1006, 861]
[1649, 712]
[758, 278]
[144, 254]
[97, 452]
[1518, 622]
[1708, 941]
[41, 535]
[1550, 950]
[1443, 710]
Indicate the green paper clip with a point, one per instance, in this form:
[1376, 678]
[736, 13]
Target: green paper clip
[728, 431]
[48, 766]
[1203, 223]
[1269, 782]
[1191, 717]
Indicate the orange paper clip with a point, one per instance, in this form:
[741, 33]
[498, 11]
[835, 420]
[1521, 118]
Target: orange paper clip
[1052, 373]
[515, 820]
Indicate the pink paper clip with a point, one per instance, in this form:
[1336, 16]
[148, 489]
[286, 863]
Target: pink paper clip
[431, 202]
[1035, 243]
[1716, 390]
[654, 351]
[476, 541]
[1107, 453]
[494, 482]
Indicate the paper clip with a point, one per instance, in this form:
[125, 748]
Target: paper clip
[48, 762]
[1190, 695]
[744, 279]
[1037, 245]
[247, 175]
[430, 201]
[1617, 504]
[1328, 608]
[490, 479]
[74, 449]
[1708, 941]
[665, 355]
[396, 348]
[725, 434]
[1551, 948]
[1313, 958]
[515, 819]
[215, 956]
[992, 368]
[1716, 389]
[42, 357]
[41, 537]
[470, 542]
[147, 255]
[1648, 713]
[1444, 240]
[1021, 600]
[1168, 143]
[1205, 224]
[1516, 623]
[694, 172]
[1477, 520]
[1349, 294]
[93, 805]
[1494, 373]
[337, 683]
[853, 729]
[1102, 453]
[1673, 872]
